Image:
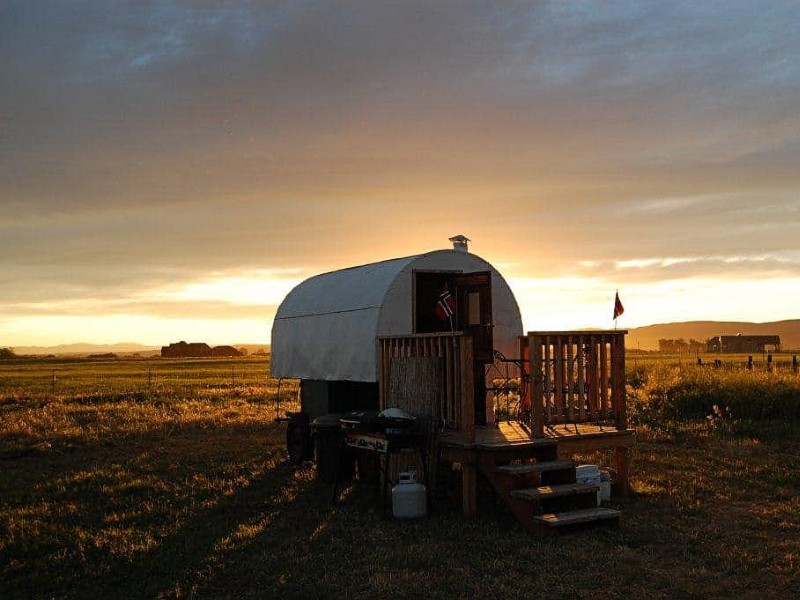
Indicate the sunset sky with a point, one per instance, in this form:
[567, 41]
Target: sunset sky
[170, 170]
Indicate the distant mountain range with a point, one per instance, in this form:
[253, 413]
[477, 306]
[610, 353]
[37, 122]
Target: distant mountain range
[122, 348]
[646, 338]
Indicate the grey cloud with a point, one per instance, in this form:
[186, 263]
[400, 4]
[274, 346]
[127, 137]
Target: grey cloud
[142, 142]
[702, 267]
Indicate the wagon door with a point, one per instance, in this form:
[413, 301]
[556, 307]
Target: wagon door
[474, 307]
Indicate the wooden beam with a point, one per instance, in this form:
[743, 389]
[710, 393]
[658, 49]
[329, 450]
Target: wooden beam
[622, 465]
[469, 488]
[594, 379]
[537, 385]
[558, 380]
[582, 395]
[570, 380]
[618, 355]
[467, 389]
[603, 379]
[548, 374]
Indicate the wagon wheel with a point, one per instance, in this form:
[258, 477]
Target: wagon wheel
[298, 438]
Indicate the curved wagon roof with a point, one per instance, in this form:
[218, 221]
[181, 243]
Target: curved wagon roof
[326, 327]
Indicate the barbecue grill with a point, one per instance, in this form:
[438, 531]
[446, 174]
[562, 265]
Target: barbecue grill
[384, 433]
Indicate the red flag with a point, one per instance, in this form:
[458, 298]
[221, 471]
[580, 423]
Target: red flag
[618, 308]
[446, 306]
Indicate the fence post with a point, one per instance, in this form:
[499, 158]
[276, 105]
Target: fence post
[794, 363]
[769, 362]
[750, 363]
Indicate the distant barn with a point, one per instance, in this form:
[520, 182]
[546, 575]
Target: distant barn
[742, 344]
[197, 350]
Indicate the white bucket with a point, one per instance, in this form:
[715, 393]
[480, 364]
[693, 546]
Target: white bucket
[605, 486]
[590, 475]
[604, 495]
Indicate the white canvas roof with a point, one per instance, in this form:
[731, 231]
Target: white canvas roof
[326, 327]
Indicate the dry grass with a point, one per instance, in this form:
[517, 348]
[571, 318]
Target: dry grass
[189, 495]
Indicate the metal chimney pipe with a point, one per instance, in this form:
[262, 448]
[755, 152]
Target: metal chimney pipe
[460, 243]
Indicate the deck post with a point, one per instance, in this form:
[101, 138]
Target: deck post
[383, 384]
[537, 385]
[618, 381]
[467, 389]
[622, 465]
[469, 486]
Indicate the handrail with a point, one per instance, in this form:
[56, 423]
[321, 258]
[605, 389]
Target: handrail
[577, 377]
[430, 373]
[574, 377]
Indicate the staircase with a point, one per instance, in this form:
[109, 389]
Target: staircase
[541, 490]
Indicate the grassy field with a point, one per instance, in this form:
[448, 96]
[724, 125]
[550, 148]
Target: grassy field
[169, 479]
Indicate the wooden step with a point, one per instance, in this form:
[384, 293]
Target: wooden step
[545, 492]
[540, 467]
[505, 452]
[578, 517]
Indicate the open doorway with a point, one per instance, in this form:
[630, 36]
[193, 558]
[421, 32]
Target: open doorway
[448, 301]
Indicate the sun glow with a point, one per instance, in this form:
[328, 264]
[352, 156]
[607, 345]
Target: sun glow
[261, 287]
[226, 308]
[142, 329]
[577, 303]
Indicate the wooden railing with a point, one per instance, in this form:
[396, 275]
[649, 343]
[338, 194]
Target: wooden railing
[575, 377]
[430, 374]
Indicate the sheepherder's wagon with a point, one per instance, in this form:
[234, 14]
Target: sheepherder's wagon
[439, 335]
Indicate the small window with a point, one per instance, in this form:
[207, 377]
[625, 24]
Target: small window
[473, 308]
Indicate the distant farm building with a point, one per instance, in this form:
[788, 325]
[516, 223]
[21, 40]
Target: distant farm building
[197, 350]
[225, 351]
[742, 344]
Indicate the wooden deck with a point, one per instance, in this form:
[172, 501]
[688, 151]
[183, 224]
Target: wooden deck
[570, 383]
[505, 434]
[510, 441]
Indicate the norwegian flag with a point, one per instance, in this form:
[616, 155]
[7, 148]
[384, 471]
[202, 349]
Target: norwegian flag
[618, 308]
[446, 305]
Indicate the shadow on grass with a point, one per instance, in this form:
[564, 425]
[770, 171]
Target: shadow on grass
[193, 556]
[150, 515]
[220, 513]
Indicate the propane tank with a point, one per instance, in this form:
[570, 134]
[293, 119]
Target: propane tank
[409, 499]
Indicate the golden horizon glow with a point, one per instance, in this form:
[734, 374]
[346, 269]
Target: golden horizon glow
[559, 303]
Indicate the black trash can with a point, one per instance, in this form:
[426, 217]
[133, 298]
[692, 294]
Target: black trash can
[298, 438]
[330, 451]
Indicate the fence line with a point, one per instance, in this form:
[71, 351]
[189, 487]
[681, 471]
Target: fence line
[750, 365]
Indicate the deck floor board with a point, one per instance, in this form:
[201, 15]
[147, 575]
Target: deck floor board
[505, 434]
[554, 491]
